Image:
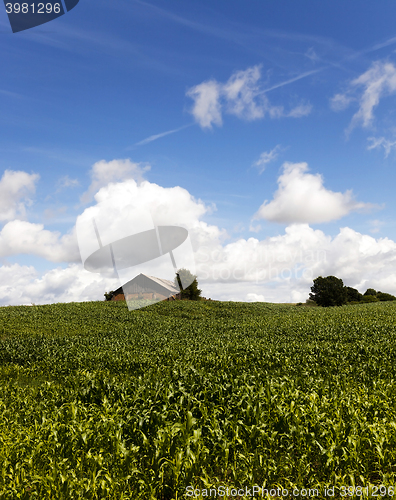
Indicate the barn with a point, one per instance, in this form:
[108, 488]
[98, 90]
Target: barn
[147, 287]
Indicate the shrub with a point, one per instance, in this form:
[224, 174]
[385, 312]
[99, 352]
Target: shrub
[369, 298]
[310, 302]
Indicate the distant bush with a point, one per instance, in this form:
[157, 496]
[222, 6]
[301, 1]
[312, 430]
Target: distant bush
[383, 297]
[370, 291]
[369, 298]
[310, 302]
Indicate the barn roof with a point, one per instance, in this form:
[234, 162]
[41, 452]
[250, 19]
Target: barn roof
[167, 284]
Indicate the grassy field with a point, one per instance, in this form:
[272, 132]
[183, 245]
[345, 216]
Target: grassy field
[100, 402]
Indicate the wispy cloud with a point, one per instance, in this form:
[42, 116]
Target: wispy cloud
[381, 142]
[67, 182]
[158, 136]
[266, 158]
[381, 45]
[377, 82]
[11, 94]
[375, 225]
[241, 96]
[300, 111]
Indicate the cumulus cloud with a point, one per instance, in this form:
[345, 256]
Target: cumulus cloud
[23, 285]
[242, 96]
[129, 210]
[266, 158]
[377, 82]
[302, 198]
[276, 269]
[22, 237]
[15, 189]
[104, 172]
[282, 268]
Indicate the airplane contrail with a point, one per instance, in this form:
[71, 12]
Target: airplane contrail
[162, 134]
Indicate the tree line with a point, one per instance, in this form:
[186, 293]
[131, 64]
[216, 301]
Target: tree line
[330, 291]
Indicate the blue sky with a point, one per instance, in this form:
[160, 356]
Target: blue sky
[276, 118]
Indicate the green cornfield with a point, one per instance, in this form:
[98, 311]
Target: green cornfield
[98, 402]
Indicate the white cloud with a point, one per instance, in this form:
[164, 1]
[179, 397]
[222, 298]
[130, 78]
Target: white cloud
[67, 182]
[312, 55]
[300, 110]
[340, 102]
[267, 157]
[254, 297]
[15, 189]
[302, 198]
[22, 237]
[377, 82]
[376, 225]
[276, 269]
[103, 173]
[241, 93]
[23, 285]
[129, 209]
[254, 227]
[207, 107]
[378, 142]
[282, 268]
[241, 96]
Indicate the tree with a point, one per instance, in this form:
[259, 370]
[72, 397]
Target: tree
[192, 292]
[329, 291]
[370, 291]
[383, 297]
[353, 295]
